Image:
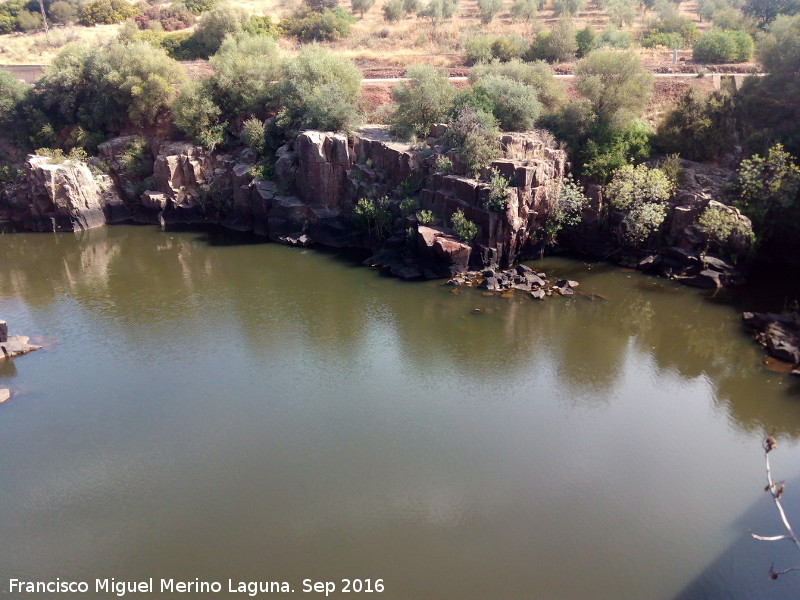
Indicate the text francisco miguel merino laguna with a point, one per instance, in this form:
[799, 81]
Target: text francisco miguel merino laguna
[151, 585]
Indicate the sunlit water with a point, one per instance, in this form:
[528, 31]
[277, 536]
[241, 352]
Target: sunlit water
[213, 410]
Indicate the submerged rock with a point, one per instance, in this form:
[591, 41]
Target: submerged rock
[778, 334]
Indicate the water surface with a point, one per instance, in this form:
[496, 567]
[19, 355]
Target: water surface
[215, 409]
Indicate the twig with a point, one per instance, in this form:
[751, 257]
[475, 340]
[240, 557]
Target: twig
[775, 489]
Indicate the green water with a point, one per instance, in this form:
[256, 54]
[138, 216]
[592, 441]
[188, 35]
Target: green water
[220, 409]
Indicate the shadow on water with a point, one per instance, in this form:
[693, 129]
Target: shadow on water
[742, 569]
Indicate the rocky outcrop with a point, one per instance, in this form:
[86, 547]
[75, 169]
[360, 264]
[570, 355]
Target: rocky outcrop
[14, 345]
[778, 334]
[691, 268]
[62, 195]
[519, 280]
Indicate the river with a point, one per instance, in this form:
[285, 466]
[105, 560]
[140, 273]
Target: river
[215, 408]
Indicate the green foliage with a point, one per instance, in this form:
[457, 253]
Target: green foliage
[538, 75]
[443, 164]
[9, 13]
[246, 72]
[719, 224]
[487, 9]
[438, 10]
[632, 186]
[524, 10]
[362, 6]
[611, 37]
[136, 159]
[768, 194]
[12, 93]
[566, 214]
[105, 89]
[257, 25]
[464, 229]
[321, 5]
[699, 128]
[642, 222]
[319, 90]
[733, 19]
[105, 12]
[498, 192]
[766, 11]
[57, 156]
[196, 115]
[717, 46]
[476, 137]
[29, 21]
[620, 12]
[477, 47]
[217, 23]
[426, 217]
[408, 206]
[671, 165]
[706, 8]
[568, 8]
[198, 7]
[609, 148]
[326, 26]
[253, 135]
[422, 100]
[507, 48]
[170, 18]
[671, 30]
[514, 104]
[373, 217]
[586, 40]
[616, 83]
[393, 10]
[554, 46]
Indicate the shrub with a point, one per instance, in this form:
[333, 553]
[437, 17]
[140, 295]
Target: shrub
[514, 104]
[373, 216]
[62, 12]
[171, 18]
[106, 12]
[642, 221]
[554, 46]
[586, 40]
[538, 75]
[699, 128]
[487, 9]
[246, 71]
[568, 8]
[524, 10]
[393, 10]
[732, 19]
[426, 217]
[615, 38]
[198, 7]
[12, 93]
[443, 164]
[620, 12]
[719, 224]
[610, 148]
[411, 6]
[326, 26]
[321, 5]
[498, 192]
[422, 100]
[362, 6]
[215, 24]
[408, 206]
[29, 21]
[319, 90]
[477, 48]
[615, 82]
[476, 137]
[438, 10]
[136, 160]
[717, 46]
[507, 48]
[196, 115]
[253, 135]
[566, 214]
[464, 229]
[257, 25]
[633, 186]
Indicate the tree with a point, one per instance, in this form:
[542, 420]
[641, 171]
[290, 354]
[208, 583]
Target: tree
[215, 24]
[569, 8]
[514, 104]
[12, 93]
[438, 10]
[616, 83]
[475, 135]
[488, 9]
[698, 128]
[196, 115]
[524, 10]
[319, 90]
[393, 10]
[554, 46]
[641, 193]
[765, 11]
[362, 6]
[106, 12]
[538, 75]
[717, 46]
[424, 99]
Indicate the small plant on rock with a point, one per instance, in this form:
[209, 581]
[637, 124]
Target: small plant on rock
[464, 229]
[498, 192]
[443, 164]
[567, 211]
[374, 216]
[425, 217]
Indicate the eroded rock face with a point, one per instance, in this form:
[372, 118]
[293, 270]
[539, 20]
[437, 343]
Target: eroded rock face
[62, 196]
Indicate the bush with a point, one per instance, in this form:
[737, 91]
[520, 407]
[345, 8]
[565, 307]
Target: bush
[476, 137]
[106, 12]
[508, 48]
[641, 192]
[464, 229]
[538, 75]
[732, 19]
[620, 12]
[362, 6]
[426, 217]
[567, 211]
[716, 46]
[514, 104]
[196, 115]
[171, 18]
[438, 10]
[443, 164]
[216, 24]
[12, 92]
[373, 217]
[554, 46]
[487, 9]
[718, 225]
[257, 25]
[319, 90]
[616, 83]
[321, 5]
[253, 136]
[498, 192]
[422, 100]
[615, 38]
[62, 13]
[586, 40]
[610, 148]
[198, 7]
[246, 71]
[568, 8]
[326, 26]
[524, 10]
[698, 128]
[477, 48]
[408, 206]
[9, 12]
[393, 10]
[29, 21]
